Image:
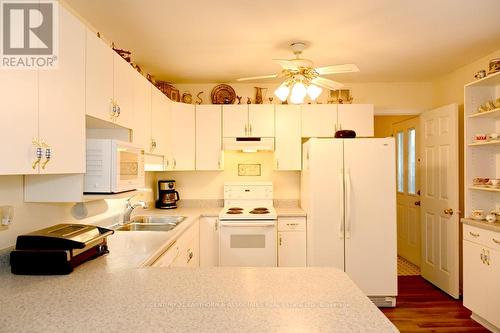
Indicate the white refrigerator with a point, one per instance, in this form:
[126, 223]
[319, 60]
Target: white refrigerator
[348, 189]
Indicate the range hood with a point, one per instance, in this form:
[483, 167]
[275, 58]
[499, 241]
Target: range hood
[249, 144]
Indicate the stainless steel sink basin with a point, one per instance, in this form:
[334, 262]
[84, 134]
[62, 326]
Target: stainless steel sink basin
[146, 227]
[151, 223]
[158, 219]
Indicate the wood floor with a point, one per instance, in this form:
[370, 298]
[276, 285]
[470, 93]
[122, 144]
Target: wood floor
[421, 307]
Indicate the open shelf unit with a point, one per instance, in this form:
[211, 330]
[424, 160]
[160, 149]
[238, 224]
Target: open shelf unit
[482, 159]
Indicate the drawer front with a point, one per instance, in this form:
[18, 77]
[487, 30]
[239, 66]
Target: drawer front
[483, 237]
[291, 224]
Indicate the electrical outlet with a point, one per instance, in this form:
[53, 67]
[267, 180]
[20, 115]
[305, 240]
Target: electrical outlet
[6, 215]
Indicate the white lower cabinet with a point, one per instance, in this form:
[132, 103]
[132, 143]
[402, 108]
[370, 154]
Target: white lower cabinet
[292, 242]
[167, 257]
[209, 242]
[189, 247]
[481, 274]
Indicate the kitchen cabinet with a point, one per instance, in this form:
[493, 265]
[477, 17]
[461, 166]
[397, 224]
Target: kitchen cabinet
[288, 141]
[357, 117]
[181, 132]
[209, 242]
[319, 120]
[235, 120]
[189, 248]
[209, 137]
[99, 78]
[123, 91]
[292, 242]
[481, 269]
[254, 120]
[160, 113]
[44, 128]
[168, 257]
[141, 130]
[261, 120]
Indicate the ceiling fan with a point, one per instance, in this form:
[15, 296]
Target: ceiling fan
[302, 77]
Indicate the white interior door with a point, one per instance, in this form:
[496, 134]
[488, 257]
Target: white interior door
[406, 134]
[440, 187]
[370, 215]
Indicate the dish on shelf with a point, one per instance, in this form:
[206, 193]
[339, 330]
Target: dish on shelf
[480, 181]
[223, 94]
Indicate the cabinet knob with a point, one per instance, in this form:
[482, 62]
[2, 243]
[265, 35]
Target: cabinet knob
[473, 234]
[495, 241]
[280, 240]
[48, 157]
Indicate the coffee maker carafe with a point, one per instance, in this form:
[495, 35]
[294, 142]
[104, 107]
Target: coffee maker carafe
[167, 195]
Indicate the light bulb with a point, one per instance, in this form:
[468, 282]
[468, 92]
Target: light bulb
[282, 92]
[299, 89]
[314, 91]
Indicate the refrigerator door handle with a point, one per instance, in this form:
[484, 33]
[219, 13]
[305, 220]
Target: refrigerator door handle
[348, 204]
[341, 204]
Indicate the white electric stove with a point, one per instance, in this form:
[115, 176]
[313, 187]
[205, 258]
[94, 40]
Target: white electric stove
[248, 225]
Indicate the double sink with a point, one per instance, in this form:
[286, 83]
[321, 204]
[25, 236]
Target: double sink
[150, 223]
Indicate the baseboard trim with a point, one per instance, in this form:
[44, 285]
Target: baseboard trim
[383, 301]
[485, 323]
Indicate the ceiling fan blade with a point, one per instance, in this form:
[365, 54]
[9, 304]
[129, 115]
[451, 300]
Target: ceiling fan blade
[346, 68]
[272, 76]
[287, 64]
[328, 84]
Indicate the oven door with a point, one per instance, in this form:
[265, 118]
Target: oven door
[248, 243]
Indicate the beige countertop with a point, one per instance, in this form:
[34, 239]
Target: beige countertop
[483, 224]
[290, 212]
[111, 294]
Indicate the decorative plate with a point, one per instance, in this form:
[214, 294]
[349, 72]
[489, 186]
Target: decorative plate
[223, 94]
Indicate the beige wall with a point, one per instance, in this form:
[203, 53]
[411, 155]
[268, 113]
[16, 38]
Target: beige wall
[383, 125]
[209, 184]
[389, 98]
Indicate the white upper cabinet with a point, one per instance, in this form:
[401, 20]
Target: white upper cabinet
[181, 137]
[209, 137]
[123, 91]
[235, 120]
[160, 125]
[62, 101]
[141, 129]
[319, 120]
[19, 114]
[357, 117]
[261, 120]
[99, 78]
[287, 154]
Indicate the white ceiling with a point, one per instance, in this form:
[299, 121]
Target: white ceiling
[220, 40]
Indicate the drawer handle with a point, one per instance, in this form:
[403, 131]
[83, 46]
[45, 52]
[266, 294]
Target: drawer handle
[473, 234]
[292, 224]
[190, 255]
[496, 241]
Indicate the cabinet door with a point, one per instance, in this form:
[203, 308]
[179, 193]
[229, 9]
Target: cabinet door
[99, 78]
[209, 242]
[62, 101]
[319, 120]
[357, 117]
[160, 113]
[208, 137]
[291, 249]
[261, 120]
[182, 136]
[167, 257]
[235, 120]
[189, 249]
[123, 90]
[141, 131]
[476, 292]
[287, 154]
[494, 287]
[19, 117]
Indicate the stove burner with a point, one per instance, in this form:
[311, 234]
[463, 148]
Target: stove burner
[234, 212]
[235, 208]
[259, 211]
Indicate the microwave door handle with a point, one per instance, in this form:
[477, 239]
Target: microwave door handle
[247, 224]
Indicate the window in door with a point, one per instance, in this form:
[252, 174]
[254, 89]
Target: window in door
[400, 161]
[411, 162]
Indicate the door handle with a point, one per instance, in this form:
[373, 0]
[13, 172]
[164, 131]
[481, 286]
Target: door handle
[348, 204]
[417, 203]
[449, 211]
[250, 224]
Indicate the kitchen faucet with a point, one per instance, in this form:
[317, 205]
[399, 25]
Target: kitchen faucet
[130, 207]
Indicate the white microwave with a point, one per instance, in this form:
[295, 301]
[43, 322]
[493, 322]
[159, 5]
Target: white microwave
[113, 166]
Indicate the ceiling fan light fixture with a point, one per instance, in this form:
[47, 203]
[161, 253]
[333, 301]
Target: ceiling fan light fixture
[314, 91]
[282, 92]
[299, 91]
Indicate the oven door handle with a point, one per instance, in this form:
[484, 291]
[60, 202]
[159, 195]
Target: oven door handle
[247, 224]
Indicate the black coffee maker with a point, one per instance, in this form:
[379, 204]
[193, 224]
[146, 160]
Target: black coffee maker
[167, 195]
